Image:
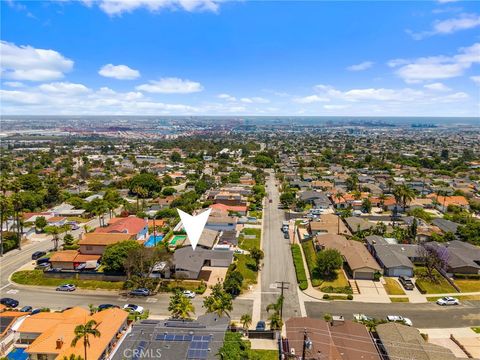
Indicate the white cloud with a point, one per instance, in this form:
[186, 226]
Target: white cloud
[14, 84]
[335, 107]
[118, 7]
[227, 97]
[171, 86]
[310, 99]
[28, 63]
[254, 100]
[64, 88]
[475, 79]
[438, 86]
[449, 26]
[446, 1]
[360, 67]
[120, 72]
[437, 67]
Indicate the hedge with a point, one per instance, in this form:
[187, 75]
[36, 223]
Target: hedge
[467, 276]
[299, 268]
[311, 258]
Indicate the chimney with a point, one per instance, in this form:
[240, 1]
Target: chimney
[59, 343]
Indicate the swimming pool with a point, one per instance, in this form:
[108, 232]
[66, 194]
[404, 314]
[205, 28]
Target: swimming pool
[153, 240]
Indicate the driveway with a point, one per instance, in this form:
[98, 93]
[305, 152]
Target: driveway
[371, 288]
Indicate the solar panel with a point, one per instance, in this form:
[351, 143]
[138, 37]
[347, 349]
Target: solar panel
[138, 353]
[169, 337]
[197, 354]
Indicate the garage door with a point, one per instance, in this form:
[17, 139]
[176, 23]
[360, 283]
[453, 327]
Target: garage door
[363, 275]
[400, 272]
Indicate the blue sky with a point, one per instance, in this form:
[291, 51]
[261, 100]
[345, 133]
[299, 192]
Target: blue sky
[240, 58]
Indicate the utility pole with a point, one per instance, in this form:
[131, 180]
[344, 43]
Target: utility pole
[283, 286]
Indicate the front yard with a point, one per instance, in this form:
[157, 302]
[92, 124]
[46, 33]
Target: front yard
[38, 278]
[468, 285]
[249, 275]
[426, 286]
[393, 287]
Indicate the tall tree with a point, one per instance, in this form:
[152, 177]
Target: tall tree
[180, 306]
[219, 301]
[83, 332]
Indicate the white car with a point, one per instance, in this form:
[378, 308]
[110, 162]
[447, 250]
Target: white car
[189, 294]
[400, 319]
[448, 300]
[132, 308]
[362, 317]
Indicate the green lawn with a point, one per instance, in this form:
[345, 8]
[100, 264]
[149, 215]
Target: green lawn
[255, 213]
[78, 219]
[264, 354]
[249, 276]
[249, 244]
[393, 287]
[426, 286]
[468, 285]
[399, 299]
[299, 268]
[311, 259]
[340, 284]
[37, 277]
[476, 329]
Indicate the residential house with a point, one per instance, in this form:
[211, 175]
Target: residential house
[49, 336]
[445, 225]
[356, 224]
[395, 259]
[328, 224]
[189, 262]
[9, 323]
[359, 262]
[128, 225]
[221, 223]
[461, 257]
[72, 259]
[339, 339]
[442, 202]
[240, 210]
[175, 339]
[400, 341]
[95, 243]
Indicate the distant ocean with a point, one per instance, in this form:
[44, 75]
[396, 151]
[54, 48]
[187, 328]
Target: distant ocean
[253, 120]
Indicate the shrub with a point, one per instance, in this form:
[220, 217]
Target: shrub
[349, 297]
[326, 296]
[467, 276]
[299, 268]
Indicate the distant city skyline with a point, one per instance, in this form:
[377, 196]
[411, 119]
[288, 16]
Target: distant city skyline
[210, 57]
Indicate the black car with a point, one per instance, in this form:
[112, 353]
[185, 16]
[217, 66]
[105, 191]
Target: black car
[26, 309]
[43, 261]
[406, 282]
[106, 306]
[9, 302]
[42, 266]
[286, 235]
[38, 254]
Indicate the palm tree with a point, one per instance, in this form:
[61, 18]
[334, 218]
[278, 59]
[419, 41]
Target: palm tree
[17, 209]
[55, 232]
[390, 184]
[276, 322]
[407, 195]
[5, 208]
[180, 306]
[84, 332]
[246, 321]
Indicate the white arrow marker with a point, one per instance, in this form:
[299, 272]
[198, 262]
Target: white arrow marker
[194, 225]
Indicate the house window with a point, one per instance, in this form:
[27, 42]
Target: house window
[42, 357]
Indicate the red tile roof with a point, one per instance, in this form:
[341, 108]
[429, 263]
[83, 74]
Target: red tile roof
[128, 225]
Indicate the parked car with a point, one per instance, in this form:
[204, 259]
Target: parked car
[26, 309]
[38, 254]
[35, 311]
[400, 319]
[9, 302]
[362, 317]
[260, 326]
[43, 261]
[406, 282]
[66, 287]
[42, 266]
[448, 300]
[106, 306]
[286, 235]
[270, 201]
[189, 294]
[132, 308]
[140, 292]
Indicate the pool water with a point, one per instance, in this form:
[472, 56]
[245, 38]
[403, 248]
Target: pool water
[18, 354]
[153, 240]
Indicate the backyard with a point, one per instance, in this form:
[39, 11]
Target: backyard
[249, 238]
[426, 286]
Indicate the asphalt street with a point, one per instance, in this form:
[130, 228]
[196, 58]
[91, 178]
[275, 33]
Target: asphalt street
[278, 263]
[425, 315]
